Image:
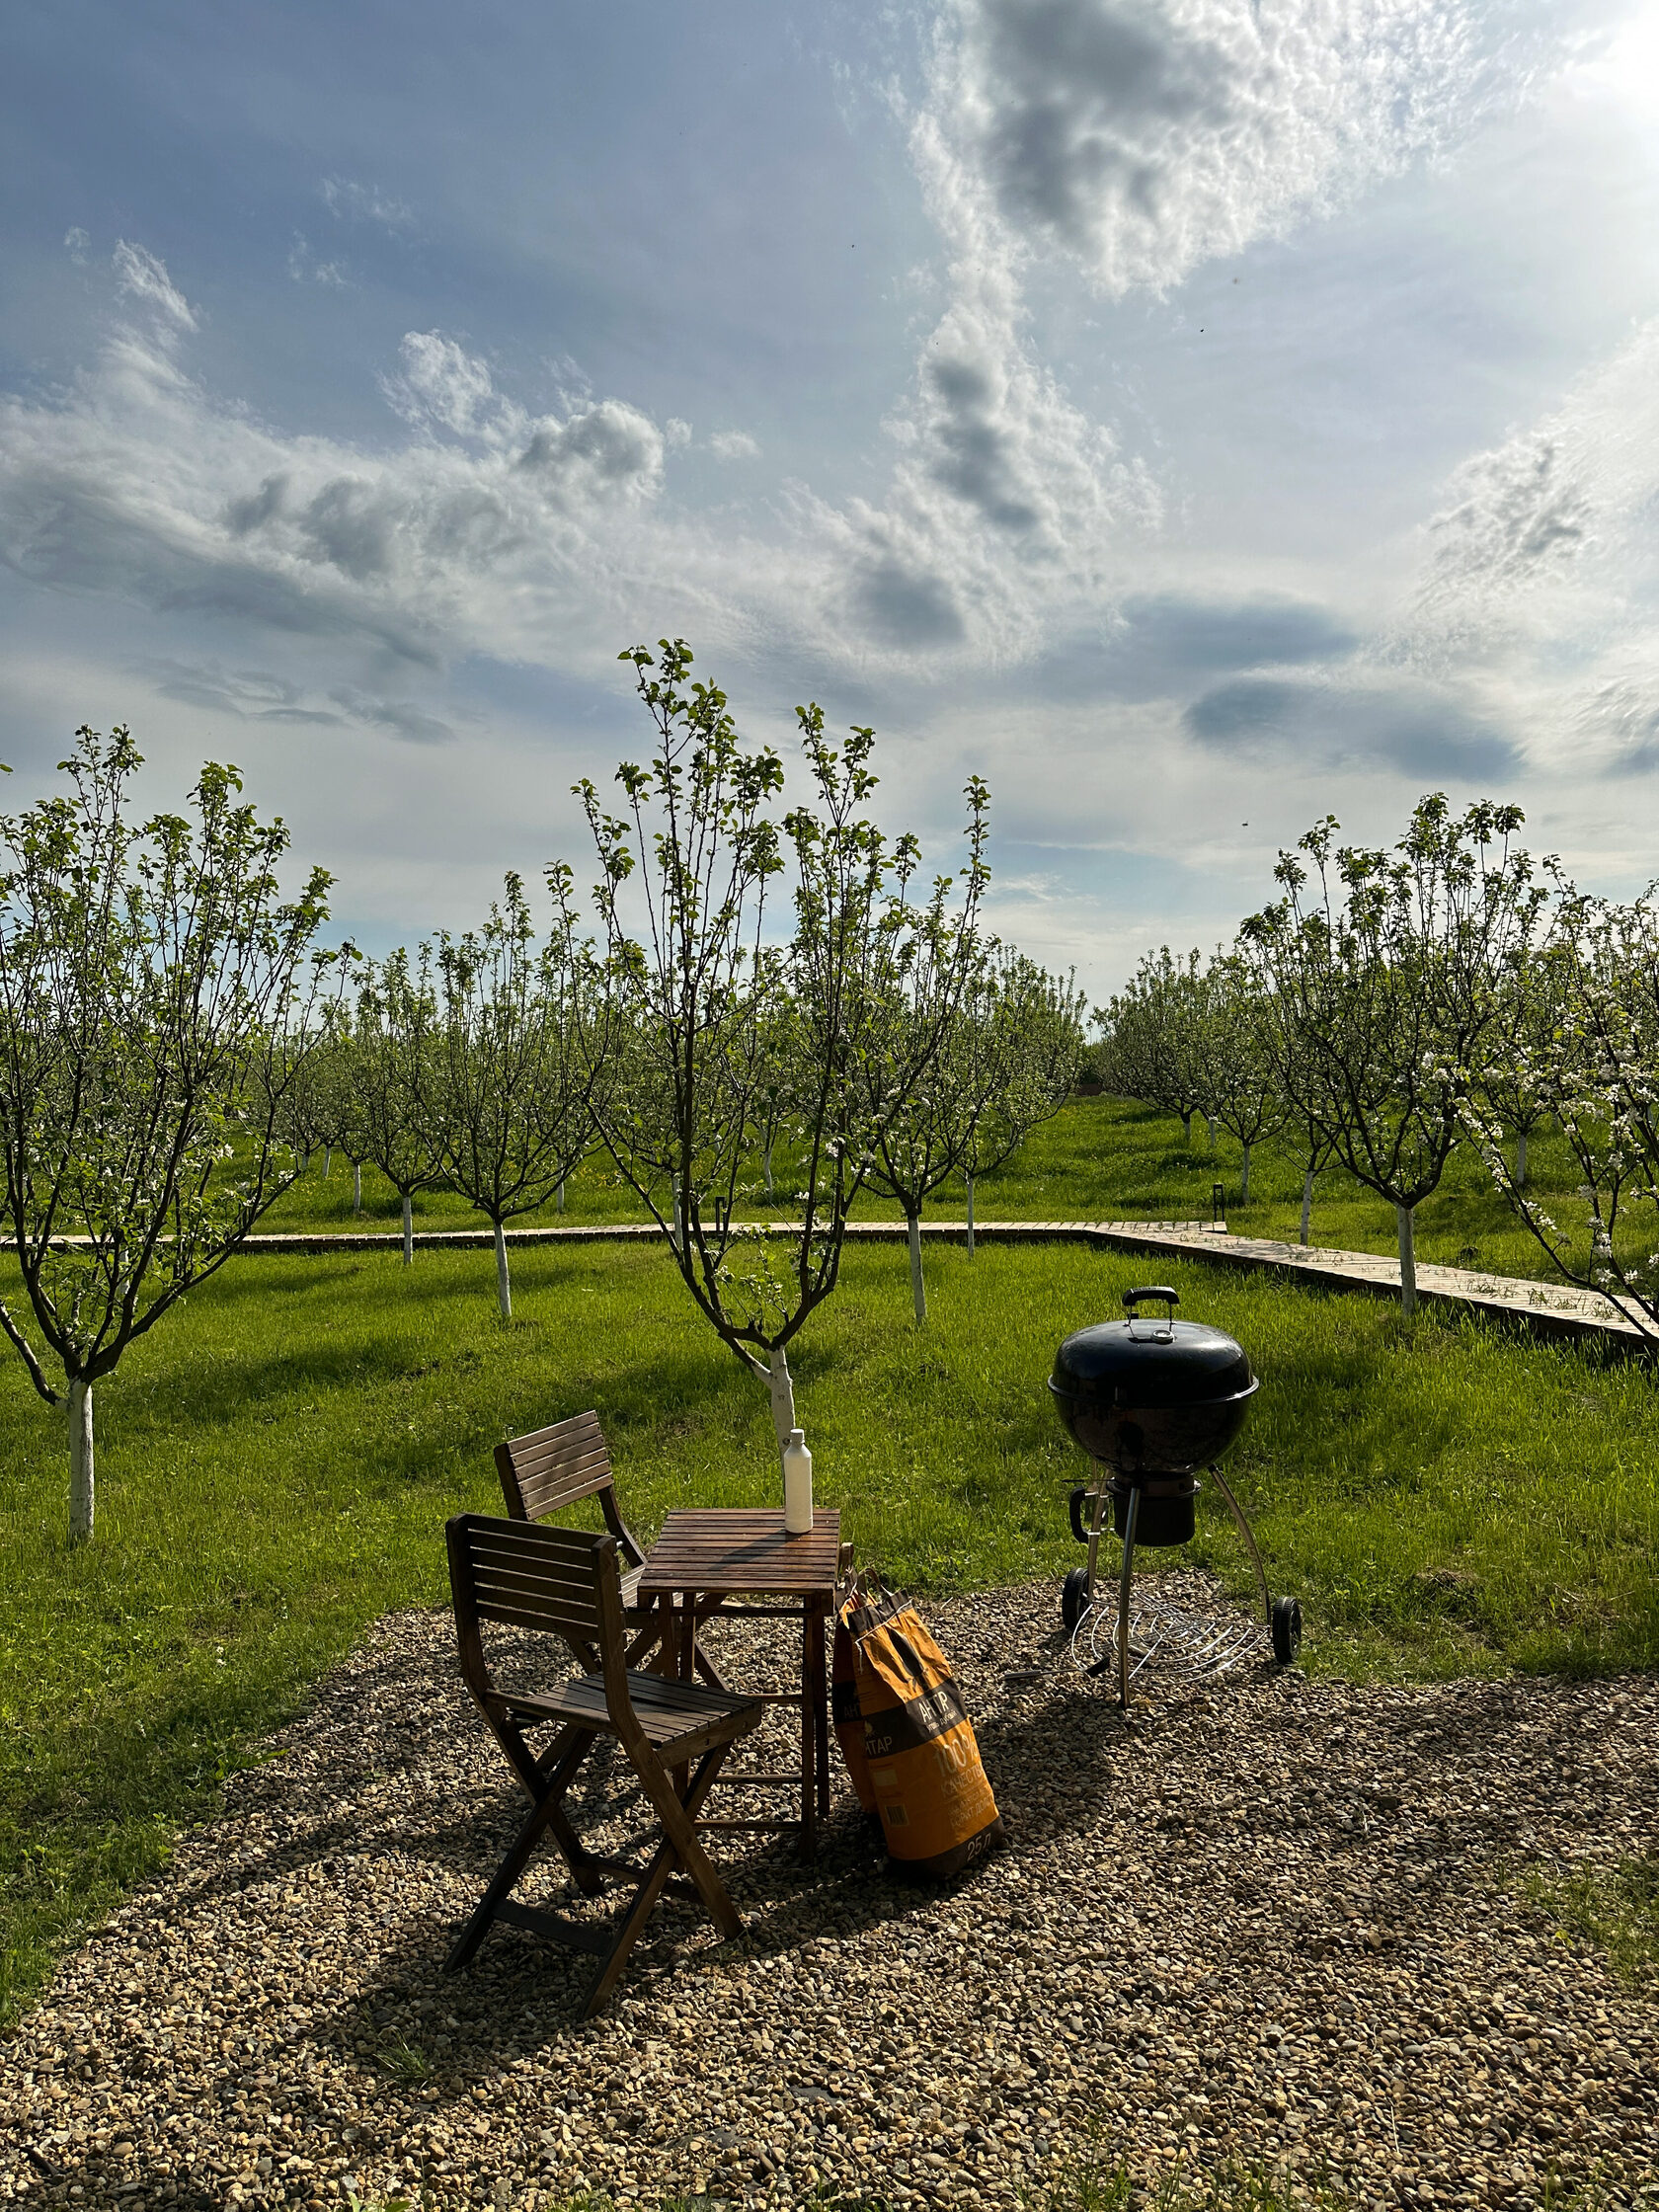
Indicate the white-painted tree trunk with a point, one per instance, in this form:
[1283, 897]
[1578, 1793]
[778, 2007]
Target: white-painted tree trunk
[772, 1188]
[356, 1186]
[679, 1224]
[1210, 1119]
[561, 1194]
[82, 1493]
[1521, 1160]
[1408, 1260]
[1306, 1206]
[1186, 1127]
[783, 1397]
[969, 1180]
[918, 1289]
[328, 1162]
[1244, 1186]
[504, 1285]
[407, 1231]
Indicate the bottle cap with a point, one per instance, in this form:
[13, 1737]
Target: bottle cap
[797, 1435]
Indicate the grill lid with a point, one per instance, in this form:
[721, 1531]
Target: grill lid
[1142, 1362]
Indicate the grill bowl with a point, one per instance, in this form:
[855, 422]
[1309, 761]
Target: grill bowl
[1164, 1398]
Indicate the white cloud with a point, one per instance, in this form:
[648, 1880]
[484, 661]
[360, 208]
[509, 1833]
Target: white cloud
[350, 200]
[733, 445]
[1143, 138]
[443, 386]
[676, 432]
[543, 537]
[1540, 569]
[75, 245]
[140, 276]
[1009, 514]
[305, 269]
[1136, 141]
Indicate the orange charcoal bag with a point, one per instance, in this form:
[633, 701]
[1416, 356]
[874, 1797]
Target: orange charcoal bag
[844, 1703]
[922, 1767]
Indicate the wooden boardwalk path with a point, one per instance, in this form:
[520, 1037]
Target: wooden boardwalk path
[1548, 1308]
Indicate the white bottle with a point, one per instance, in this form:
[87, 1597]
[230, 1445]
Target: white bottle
[797, 1485]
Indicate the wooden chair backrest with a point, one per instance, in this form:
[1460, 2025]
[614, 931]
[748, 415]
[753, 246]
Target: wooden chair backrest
[562, 1581]
[552, 1469]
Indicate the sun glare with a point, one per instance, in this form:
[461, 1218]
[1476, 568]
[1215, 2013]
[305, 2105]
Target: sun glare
[1628, 68]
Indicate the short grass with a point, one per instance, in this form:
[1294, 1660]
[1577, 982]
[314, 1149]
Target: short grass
[1101, 2180]
[1100, 1158]
[1097, 2180]
[277, 1462]
[1615, 1910]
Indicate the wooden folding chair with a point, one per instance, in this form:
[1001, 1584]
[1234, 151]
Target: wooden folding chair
[566, 1582]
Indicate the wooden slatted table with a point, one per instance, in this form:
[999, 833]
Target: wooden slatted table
[707, 1557]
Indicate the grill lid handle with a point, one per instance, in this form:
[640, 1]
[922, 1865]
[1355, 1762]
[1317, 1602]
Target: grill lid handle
[1170, 1298]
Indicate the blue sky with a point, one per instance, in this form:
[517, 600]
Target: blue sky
[1197, 417]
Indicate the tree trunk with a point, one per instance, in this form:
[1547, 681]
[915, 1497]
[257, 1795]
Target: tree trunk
[503, 1286]
[680, 1230]
[918, 1289]
[1244, 1186]
[356, 1186]
[1186, 1127]
[969, 1180]
[561, 1194]
[1407, 1260]
[407, 1231]
[1521, 1160]
[328, 1162]
[783, 1396]
[1306, 1206]
[771, 1191]
[1210, 1119]
[82, 1497]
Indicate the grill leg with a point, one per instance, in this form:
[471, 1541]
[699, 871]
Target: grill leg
[1249, 1544]
[1096, 1522]
[1130, 1520]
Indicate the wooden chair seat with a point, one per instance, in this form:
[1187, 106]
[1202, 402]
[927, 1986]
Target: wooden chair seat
[565, 1582]
[682, 1717]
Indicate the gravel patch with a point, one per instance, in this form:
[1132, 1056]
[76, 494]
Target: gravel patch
[1272, 1919]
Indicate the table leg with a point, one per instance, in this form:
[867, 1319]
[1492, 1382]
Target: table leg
[664, 1660]
[820, 1706]
[809, 1740]
[687, 1656]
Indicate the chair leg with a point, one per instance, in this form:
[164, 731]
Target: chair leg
[547, 1814]
[679, 1816]
[664, 1858]
[584, 1867]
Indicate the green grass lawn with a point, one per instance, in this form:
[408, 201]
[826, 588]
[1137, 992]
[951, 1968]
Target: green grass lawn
[1099, 1159]
[277, 1462]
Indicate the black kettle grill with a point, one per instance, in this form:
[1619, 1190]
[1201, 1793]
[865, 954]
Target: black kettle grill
[1154, 1401]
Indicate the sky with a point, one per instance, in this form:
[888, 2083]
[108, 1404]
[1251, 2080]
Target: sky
[1196, 417]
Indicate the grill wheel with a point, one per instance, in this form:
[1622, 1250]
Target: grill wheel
[1074, 1596]
[1286, 1623]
